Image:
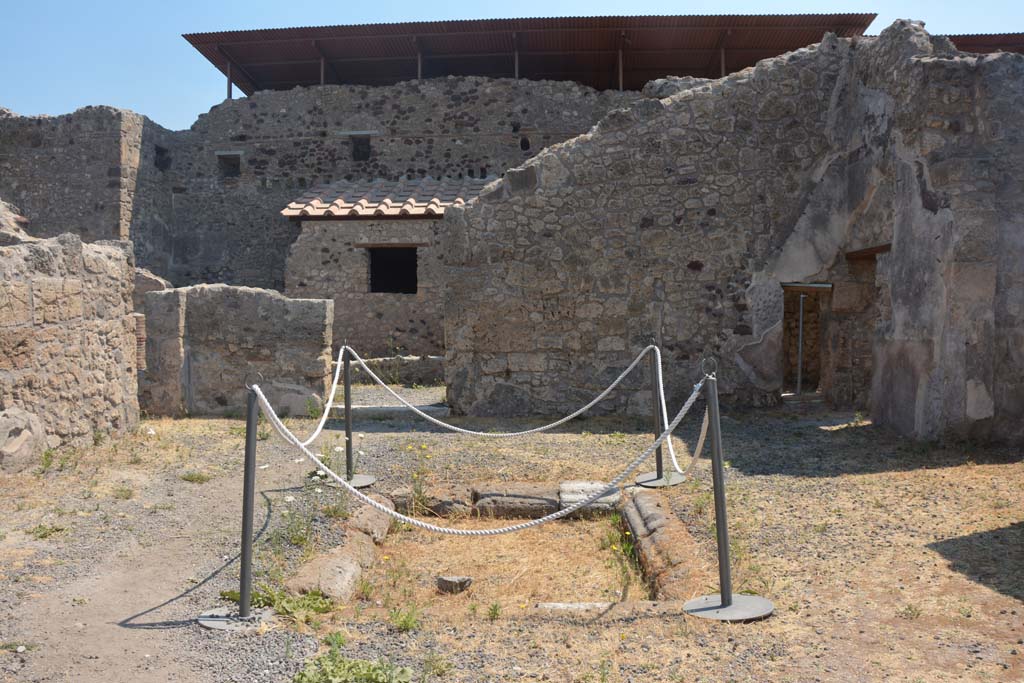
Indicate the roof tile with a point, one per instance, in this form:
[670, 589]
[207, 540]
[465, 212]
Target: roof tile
[410, 197]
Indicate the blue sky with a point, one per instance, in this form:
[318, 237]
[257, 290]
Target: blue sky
[58, 56]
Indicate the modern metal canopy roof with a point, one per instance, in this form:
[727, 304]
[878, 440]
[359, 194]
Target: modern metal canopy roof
[602, 52]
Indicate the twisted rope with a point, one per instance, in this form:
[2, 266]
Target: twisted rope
[274, 420]
[663, 407]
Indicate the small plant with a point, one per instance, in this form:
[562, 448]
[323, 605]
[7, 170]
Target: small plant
[909, 612]
[473, 609]
[435, 666]
[337, 510]
[333, 667]
[195, 477]
[47, 461]
[98, 437]
[299, 531]
[335, 640]
[821, 527]
[262, 428]
[44, 531]
[284, 604]
[405, 620]
[123, 493]
[313, 408]
[493, 612]
[364, 589]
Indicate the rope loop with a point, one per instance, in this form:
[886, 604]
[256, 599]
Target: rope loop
[281, 429]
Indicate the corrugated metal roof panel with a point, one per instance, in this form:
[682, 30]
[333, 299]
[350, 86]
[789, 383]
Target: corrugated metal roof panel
[546, 41]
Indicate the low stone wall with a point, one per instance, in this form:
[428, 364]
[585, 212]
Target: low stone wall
[67, 336]
[204, 343]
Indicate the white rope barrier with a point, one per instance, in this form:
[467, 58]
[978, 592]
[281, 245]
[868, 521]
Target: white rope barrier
[507, 435]
[274, 420]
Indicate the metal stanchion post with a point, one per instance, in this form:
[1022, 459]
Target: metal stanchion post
[226, 618]
[248, 500]
[359, 481]
[660, 477]
[725, 606]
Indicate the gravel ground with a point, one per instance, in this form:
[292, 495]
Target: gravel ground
[886, 560]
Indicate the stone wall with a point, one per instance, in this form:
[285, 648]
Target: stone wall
[206, 342]
[65, 172]
[849, 318]
[330, 260]
[676, 221]
[104, 172]
[67, 337]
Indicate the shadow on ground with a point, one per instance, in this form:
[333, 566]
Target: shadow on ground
[992, 558]
[829, 443]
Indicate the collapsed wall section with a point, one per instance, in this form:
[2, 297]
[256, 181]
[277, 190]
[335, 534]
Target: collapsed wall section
[206, 343]
[67, 337]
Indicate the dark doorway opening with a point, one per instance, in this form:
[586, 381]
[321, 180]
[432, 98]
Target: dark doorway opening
[393, 270]
[801, 336]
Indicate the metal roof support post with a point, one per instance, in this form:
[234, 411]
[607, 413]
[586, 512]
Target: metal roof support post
[419, 59]
[722, 54]
[229, 80]
[323, 68]
[515, 50]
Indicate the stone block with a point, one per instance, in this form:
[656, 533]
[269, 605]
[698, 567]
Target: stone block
[443, 500]
[335, 574]
[15, 304]
[571, 492]
[22, 440]
[516, 500]
[371, 521]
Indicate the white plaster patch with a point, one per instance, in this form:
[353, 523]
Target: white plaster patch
[979, 401]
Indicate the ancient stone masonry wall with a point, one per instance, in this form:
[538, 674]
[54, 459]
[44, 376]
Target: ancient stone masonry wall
[677, 220]
[206, 342]
[67, 337]
[330, 260]
[103, 172]
[65, 172]
[649, 228]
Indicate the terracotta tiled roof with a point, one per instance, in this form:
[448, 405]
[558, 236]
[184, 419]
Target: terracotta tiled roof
[411, 198]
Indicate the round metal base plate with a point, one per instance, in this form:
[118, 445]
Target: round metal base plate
[360, 481]
[227, 619]
[743, 608]
[650, 479]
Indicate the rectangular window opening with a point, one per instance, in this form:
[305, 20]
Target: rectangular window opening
[393, 270]
[229, 165]
[360, 147]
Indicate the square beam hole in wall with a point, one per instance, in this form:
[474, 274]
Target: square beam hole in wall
[360, 147]
[393, 270]
[229, 164]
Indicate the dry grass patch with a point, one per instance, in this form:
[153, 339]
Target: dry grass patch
[563, 561]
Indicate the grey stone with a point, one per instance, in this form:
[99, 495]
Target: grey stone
[516, 500]
[335, 574]
[145, 281]
[453, 584]
[22, 440]
[442, 500]
[571, 492]
[371, 521]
